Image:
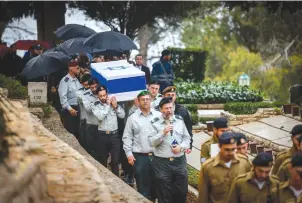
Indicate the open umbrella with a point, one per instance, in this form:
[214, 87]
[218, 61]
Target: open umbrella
[109, 40]
[45, 64]
[26, 44]
[70, 31]
[4, 50]
[73, 46]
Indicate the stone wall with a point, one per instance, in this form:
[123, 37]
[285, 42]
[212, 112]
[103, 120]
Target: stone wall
[209, 106]
[242, 119]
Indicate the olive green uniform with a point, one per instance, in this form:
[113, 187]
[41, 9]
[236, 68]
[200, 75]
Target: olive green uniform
[215, 178]
[205, 149]
[285, 194]
[281, 157]
[283, 172]
[245, 190]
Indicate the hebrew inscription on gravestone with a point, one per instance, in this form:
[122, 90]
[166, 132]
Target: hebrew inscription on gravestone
[37, 92]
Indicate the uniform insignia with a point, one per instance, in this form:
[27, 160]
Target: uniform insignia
[178, 117]
[154, 120]
[66, 79]
[242, 140]
[232, 140]
[81, 88]
[86, 93]
[96, 103]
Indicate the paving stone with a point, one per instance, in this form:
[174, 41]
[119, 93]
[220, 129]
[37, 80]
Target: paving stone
[193, 159]
[281, 122]
[199, 139]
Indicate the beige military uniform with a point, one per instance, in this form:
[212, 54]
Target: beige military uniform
[215, 178]
[245, 189]
[205, 149]
[281, 157]
[285, 194]
[283, 172]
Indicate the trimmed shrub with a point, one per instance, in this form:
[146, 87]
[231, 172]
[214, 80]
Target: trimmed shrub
[15, 89]
[240, 108]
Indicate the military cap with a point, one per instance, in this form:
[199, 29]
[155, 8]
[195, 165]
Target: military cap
[263, 159]
[165, 100]
[143, 93]
[240, 138]
[101, 88]
[227, 138]
[165, 52]
[85, 78]
[297, 129]
[296, 160]
[92, 81]
[220, 123]
[169, 89]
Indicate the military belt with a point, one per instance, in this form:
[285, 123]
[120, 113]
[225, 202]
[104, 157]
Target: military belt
[144, 154]
[170, 158]
[107, 132]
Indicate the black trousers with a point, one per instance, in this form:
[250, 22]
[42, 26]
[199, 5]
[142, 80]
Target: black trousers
[72, 123]
[126, 167]
[91, 139]
[108, 144]
[82, 131]
[171, 179]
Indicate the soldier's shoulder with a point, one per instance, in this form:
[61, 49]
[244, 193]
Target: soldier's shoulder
[281, 154]
[285, 163]
[154, 120]
[208, 162]
[96, 103]
[242, 157]
[208, 142]
[241, 177]
[86, 93]
[66, 79]
[178, 117]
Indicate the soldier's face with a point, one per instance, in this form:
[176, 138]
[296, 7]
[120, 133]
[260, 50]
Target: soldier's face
[242, 149]
[139, 60]
[93, 88]
[102, 95]
[295, 174]
[262, 173]
[145, 102]
[227, 151]
[167, 110]
[85, 85]
[153, 89]
[171, 94]
[295, 141]
[218, 131]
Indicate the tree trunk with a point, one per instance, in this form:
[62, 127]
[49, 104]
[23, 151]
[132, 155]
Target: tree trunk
[143, 38]
[50, 16]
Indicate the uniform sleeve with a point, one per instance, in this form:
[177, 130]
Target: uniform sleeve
[204, 152]
[132, 110]
[277, 165]
[100, 113]
[203, 190]
[155, 137]
[63, 88]
[233, 193]
[87, 103]
[185, 144]
[128, 137]
[120, 112]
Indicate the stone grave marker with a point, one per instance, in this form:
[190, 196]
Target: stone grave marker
[37, 92]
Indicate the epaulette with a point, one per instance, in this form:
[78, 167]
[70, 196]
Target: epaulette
[178, 117]
[96, 103]
[281, 153]
[208, 161]
[241, 176]
[209, 140]
[66, 79]
[155, 119]
[86, 93]
[81, 88]
[159, 95]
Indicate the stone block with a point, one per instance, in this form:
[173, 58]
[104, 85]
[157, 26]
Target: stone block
[287, 108]
[234, 123]
[37, 111]
[202, 106]
[295, 111]
[37, 92]
[215, 106]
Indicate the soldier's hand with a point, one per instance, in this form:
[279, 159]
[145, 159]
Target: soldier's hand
[188, 151]
[176, 149]
[131, 160]
[108, 100]
[73, 112]
[53, 90]
[114, 102]
[167, 129]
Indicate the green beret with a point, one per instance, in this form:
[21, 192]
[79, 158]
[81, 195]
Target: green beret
[85, 78]
[143, 93]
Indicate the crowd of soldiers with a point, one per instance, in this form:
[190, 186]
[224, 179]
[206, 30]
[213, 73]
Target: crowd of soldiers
[151, 136]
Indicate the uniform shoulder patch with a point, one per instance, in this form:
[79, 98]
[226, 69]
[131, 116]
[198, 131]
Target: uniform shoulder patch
[86, 93]
[96, 103]
[154, 120]
[66, 79]
[178, 117]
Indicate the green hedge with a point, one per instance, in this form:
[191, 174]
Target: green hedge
[215, 92]
[15, 89]
[193, 176]
[240, 108]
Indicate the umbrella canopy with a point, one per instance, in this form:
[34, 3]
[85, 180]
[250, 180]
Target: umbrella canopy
[110, 40]
[26, 44]
[74, 46]
[45, 64]
[71, 31]
[4, 50]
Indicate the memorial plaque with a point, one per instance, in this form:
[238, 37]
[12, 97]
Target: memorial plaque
[37, 92]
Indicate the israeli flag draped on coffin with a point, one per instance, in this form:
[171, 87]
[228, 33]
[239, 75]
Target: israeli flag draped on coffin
[122, 79]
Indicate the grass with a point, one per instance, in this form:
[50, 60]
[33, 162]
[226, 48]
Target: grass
[193, 176]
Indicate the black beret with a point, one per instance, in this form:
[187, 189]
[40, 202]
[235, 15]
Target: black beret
[240, 138]
[165, 52]
[85, 78]
[297, 129]
[92, 81]
[220, 123]
[263, 159]
[165, 100]
[101, 88]
[143, 93]
[227, 138]
[297, 160]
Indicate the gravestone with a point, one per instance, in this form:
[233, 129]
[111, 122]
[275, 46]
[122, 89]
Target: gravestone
[37, 92]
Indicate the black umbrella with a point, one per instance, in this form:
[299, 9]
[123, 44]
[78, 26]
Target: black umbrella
[73, 46]
[55, 49]
[110, 40]
[70, 31]
[45, 64]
